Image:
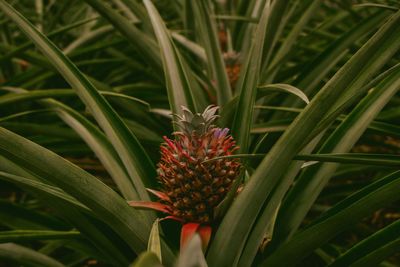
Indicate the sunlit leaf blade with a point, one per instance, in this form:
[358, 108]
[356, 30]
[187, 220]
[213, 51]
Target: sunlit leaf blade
[130, 151]
[26, 256]
[154, 244]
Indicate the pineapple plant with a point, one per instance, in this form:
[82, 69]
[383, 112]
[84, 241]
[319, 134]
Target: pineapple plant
[193, 184]
[303, 85]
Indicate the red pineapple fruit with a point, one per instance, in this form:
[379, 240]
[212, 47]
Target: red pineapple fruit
[192, 184]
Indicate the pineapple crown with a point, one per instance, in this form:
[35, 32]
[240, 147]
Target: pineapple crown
[198, 123]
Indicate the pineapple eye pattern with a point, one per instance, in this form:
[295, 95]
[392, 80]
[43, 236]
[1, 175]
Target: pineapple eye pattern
[192, 184]
[194, 187]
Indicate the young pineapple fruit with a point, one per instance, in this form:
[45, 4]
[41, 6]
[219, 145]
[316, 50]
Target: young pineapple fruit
[233, 65]
[193, 185]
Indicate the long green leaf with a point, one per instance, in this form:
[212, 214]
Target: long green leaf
[89, 132]
[208, 36]
[45, 129]
[249, 203]
[351, 96]
[179, 87]
[54, 93]
[26, 256]
[319, 67]
[350, 158]
[141, 41]
[276, 23]
[336, 220]
[248, 85]
[380, 242]
[311, 182]
[60, 202]
[42, 188]
[154, 244]
[103, 201]
[281, 55]
[27, 235]
[147, 259]
[132, 154]
[15, 216]
[20, 49]
[89, 36]
[354, 158]
[191, 46]
[287, 88]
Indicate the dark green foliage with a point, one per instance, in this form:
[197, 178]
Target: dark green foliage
[309, 90]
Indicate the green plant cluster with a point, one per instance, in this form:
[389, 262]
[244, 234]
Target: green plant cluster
[308, 89]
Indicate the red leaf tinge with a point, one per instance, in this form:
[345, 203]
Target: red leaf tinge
[189, 229]
[150, 205]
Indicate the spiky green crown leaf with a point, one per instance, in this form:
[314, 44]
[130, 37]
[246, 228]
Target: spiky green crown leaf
[198, 123]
